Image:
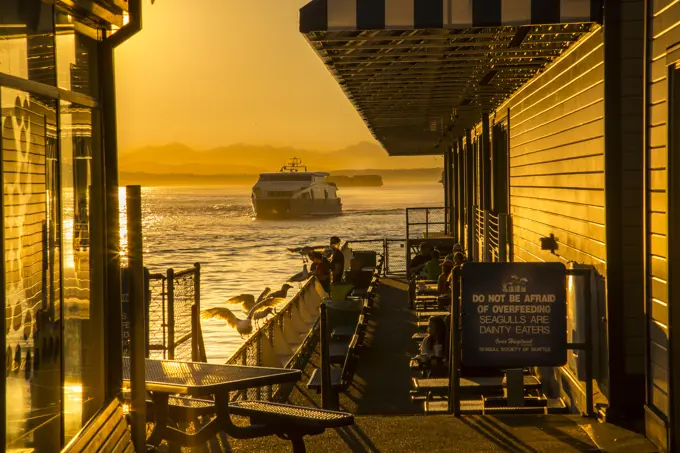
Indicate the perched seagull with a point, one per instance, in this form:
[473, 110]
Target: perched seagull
[262, 314]
[245, 326]
[300, 276]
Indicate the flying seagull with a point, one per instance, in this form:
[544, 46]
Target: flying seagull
[258, 311]
[248, 301]
[306, 250]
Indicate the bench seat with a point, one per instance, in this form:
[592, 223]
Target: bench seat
[441, 385]
[425, 315]
[290, 422]
[274, 413]
[107, 431]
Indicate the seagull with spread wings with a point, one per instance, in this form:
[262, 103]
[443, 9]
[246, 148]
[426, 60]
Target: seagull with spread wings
[256, 309]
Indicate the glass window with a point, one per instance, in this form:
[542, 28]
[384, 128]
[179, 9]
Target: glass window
[76, 55]
[83, 320]
[286, 177]
[27, 40]
[31, 267]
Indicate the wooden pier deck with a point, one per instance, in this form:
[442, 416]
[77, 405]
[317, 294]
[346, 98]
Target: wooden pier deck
[387, 421]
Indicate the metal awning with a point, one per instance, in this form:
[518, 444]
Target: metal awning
[418, 69]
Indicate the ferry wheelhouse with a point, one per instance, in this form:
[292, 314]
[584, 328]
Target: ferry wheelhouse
[295, 192]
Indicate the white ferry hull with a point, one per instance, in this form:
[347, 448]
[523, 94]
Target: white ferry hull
[278, 208]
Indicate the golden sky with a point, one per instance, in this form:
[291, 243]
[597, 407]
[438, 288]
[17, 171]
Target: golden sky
[209, 73]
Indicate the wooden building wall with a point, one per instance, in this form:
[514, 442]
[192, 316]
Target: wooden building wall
[662, 33]
[557, 159]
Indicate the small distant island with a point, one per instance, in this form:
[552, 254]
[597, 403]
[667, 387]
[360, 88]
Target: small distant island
[356, 181]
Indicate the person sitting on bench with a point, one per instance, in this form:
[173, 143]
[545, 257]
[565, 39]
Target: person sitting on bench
[443, 286]
[434, 348]
[433, 269]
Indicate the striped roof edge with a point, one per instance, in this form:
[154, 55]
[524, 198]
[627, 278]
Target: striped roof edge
[337, 15]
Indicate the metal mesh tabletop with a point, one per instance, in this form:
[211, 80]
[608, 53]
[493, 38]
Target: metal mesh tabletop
[195, 378]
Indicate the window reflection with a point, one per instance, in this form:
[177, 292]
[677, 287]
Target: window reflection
[76, 55]
[27, 40]
[83, 336]
[33, 388]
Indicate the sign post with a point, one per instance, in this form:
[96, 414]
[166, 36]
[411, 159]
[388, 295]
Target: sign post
[514, 315]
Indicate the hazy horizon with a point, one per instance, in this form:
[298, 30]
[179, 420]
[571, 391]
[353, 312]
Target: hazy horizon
[178, 158]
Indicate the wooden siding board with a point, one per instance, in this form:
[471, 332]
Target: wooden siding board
[567, 195]
[568, 151]
[582, 131]
[592, 43]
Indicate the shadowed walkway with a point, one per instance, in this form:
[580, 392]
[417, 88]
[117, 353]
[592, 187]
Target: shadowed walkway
[382, 380]
[386, 421]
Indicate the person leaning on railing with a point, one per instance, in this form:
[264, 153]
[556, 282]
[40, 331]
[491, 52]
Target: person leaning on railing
[337, 260]
[321, 268]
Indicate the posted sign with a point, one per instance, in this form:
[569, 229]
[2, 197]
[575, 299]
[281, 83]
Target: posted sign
[514, 314]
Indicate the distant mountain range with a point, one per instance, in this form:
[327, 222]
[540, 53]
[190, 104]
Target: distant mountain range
[251, 159]
[240, 164]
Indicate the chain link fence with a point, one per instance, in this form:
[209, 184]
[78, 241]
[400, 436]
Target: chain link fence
[173, 305]
[422, 223]
[394, 251]
[156, 315]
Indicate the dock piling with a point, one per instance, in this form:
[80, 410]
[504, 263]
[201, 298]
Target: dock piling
[137, 316]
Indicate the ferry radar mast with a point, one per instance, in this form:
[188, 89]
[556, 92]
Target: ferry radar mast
[293, 166]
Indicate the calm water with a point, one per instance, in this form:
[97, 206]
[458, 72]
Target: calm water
[238, 254]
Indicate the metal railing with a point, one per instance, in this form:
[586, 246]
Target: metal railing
[287, 339]
[173, 303]
[492, 240]
[427, 222]
[393, 250]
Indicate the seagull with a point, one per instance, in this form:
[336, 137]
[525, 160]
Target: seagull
[300, 276]
[248, 301]
[245, 326]
[306, 250]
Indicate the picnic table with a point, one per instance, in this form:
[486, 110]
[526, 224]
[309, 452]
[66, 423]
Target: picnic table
[209, 381]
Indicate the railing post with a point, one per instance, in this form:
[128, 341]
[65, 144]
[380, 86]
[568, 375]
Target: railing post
[147, 301]
[171, 314]
[137, 321]
[427, 222]
[195, 315]
[502, 238]
[407, 251]
[326, 397]
[485, 252]
[590, 397]
[454, 352]
[407, 225]
[474, 244]
[386, 254]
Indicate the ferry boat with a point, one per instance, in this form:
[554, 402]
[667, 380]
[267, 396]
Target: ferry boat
[295, 192]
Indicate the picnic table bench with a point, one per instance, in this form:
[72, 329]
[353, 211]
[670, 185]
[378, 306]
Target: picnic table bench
[209, 386]
[107, 431]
